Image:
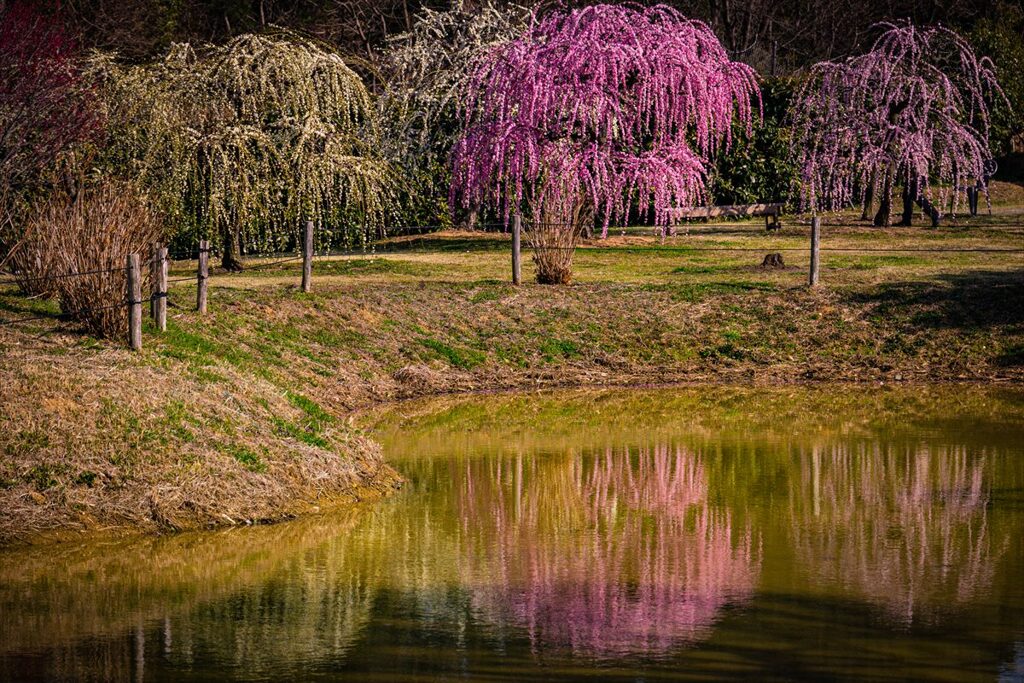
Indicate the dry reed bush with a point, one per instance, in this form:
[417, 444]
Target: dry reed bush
[10, 239]
[554, 242]
[90, 234]
[554, 245]
[20, 255]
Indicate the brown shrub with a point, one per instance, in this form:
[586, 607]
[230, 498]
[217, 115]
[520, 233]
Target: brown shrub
[554, 246]
[74, 249]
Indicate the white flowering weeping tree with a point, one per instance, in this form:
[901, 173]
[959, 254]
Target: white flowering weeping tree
[912, 113]
[425, 72]
[598, 110]
[246, 141]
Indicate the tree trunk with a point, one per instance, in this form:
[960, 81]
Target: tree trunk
[473, 218]
[882, 218]
[869, 200]
[909, 197]
[229, 259]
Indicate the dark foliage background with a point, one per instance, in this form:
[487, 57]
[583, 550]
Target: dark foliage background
[800, 31]
[758, 167]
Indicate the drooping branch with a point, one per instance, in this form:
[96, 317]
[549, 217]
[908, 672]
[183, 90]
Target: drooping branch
[620, 106]
[425, 76]
[912, 112]
[248, 140]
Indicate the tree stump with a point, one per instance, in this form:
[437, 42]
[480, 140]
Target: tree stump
[773, 261]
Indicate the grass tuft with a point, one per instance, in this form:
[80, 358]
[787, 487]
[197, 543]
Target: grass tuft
[248, 458]
[463, 358]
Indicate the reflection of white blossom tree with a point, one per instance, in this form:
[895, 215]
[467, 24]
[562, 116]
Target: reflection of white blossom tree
[264, 598]
[906, 529]
[605, 556]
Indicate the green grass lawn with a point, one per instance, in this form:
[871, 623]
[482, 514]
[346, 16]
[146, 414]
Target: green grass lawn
[255, 393]
[851, 256]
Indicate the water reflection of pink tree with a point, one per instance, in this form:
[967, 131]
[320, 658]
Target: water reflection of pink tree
[608, 555]
[907, 530]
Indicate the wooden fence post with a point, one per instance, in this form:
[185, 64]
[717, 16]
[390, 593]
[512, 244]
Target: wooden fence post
[815, 240]
[517, 262]
[154, 285]
[307, 257]
[203, 275]
[158, 286]
[134, 302]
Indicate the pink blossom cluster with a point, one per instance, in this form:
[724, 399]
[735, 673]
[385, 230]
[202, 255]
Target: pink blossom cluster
[615, 106]
[915, 107]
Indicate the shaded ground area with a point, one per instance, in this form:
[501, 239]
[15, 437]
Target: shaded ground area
[968, 303]
[241, 415]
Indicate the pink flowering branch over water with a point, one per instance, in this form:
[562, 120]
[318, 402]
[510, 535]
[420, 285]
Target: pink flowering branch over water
[916, 106]
[611, 106]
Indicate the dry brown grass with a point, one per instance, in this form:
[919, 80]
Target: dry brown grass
[99, 440]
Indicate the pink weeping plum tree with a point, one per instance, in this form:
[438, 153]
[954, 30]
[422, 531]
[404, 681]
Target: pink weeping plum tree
[595, 112]
[911, 113]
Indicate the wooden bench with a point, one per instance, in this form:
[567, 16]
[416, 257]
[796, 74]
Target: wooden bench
[771, 213]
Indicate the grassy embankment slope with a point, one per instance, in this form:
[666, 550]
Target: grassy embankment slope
[241, 415]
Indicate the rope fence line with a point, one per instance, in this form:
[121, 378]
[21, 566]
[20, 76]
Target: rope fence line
[803, 223]
[987, 224]
[814, 250]
[64, 314]
[159, 284]
[858, 250]
[188, 254]
[260, 266]
[161, 258]
[59, 276]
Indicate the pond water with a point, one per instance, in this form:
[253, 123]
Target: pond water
[716, 534]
